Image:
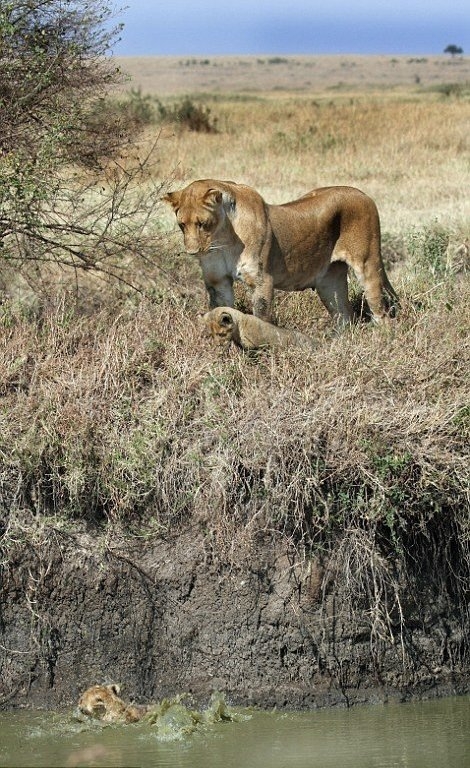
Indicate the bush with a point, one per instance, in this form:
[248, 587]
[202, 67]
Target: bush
[429, 249]
[54, 78]
[53, 65]
[112, 123]
[189, 115]
[456, 90]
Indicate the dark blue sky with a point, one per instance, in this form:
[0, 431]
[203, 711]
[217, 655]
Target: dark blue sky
[211, 27]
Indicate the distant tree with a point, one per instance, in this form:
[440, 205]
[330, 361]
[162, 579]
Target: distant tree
[454, 50]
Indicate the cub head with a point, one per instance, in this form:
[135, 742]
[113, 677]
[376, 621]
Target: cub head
[220, 324]
[200, 213]
[102, 702]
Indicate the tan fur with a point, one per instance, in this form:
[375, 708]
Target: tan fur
[307, 243]
[226, 324]
[102, 702]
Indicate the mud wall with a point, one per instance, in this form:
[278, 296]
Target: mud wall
[267, 628]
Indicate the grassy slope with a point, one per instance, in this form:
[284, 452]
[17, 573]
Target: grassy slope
[121, 410]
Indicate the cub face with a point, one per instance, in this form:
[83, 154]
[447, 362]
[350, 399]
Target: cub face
[198, 217]
[102, 702]
[219, 322]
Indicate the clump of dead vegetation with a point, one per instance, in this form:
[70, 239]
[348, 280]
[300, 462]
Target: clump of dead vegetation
[127, 414]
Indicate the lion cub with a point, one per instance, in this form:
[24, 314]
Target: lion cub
[102, 702]
[226, 325]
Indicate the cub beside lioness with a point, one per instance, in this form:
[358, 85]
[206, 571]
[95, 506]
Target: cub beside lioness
[306, 243]
[226, 324]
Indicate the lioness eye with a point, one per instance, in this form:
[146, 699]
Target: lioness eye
[181, 225]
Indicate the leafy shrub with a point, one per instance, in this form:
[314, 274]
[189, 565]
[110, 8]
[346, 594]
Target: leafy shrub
[448, 90]
[142, 108]
[194, 117]
[54, 80]
[429, 249]
[110, 124]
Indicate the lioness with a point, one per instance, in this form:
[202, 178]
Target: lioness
[307, 243]
[102, 702]
[226, 325]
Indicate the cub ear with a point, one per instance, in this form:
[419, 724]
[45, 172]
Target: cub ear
[213, 196]
[173, 198]
[225, 319]
[114, 688]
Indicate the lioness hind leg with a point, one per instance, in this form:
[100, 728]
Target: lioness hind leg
[332, 289]
[376, 288]
[391, 297]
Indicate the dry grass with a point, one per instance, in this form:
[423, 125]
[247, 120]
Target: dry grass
[134, 416]
[410, 156]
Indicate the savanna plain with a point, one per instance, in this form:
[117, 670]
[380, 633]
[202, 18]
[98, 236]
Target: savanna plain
[119, 414]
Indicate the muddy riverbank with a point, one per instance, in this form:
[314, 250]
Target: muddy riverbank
[273, 629]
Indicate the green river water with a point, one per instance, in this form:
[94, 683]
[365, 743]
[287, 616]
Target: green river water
[433, 734]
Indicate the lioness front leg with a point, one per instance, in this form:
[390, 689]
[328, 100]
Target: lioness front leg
[263, 298]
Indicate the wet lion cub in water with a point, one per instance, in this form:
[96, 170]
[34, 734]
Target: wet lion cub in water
[102, 702]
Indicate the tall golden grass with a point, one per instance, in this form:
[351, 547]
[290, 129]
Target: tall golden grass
[409, 154]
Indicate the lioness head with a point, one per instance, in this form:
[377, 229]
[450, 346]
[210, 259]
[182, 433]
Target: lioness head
[102, 702]
[199, 210]
[220, 324]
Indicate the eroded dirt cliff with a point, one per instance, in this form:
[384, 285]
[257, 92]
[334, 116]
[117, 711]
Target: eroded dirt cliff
[266, 626]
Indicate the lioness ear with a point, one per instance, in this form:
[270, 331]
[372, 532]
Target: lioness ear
[114, 688]
[225, 319]
[213, 196]
[173, 198]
